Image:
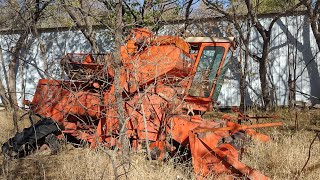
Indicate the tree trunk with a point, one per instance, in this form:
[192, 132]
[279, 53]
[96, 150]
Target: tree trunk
[313, 13]
[243, 85]
[187, 15]
[242, 80]
[93, 43]
[23, 82]
[118, 89]
[3, 96]
[263, 62]
[292, 90]
[3, 93]
[13, 70]
[43, 51]
[316, 34]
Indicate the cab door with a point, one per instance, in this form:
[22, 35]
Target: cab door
[208, 74]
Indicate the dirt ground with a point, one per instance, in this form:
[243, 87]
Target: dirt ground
[282, 158]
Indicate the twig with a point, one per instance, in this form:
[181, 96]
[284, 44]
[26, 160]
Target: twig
[309, 154]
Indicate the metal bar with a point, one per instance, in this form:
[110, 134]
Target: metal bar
[238, 128]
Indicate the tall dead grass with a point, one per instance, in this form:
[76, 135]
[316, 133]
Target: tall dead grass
[85, 163]
[286, 154]
[284, 157]
[6, 125]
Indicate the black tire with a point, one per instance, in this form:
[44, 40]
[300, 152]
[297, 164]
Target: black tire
[22, 143]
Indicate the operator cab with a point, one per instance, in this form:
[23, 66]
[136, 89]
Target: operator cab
[212, 56]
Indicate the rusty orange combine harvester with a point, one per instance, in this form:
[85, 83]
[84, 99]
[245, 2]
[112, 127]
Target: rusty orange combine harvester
[168, 83]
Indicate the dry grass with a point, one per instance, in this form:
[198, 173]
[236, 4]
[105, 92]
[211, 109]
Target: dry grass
[284, 157]
[84, 163]
[6, 125]
[281, 158]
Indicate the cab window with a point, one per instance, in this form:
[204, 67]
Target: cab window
[206, 71]
[220, 80]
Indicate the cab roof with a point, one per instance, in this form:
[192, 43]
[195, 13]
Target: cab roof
[211, 40]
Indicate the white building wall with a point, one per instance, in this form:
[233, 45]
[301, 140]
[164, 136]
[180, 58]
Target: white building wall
[57, 44]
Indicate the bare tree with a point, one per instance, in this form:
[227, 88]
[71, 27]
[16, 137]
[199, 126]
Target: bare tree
[148, 13]
[117, 68]
[187, 14]
[25, 18]
[313, 10]
[251, 14]
[265, 34]
[81, 17]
